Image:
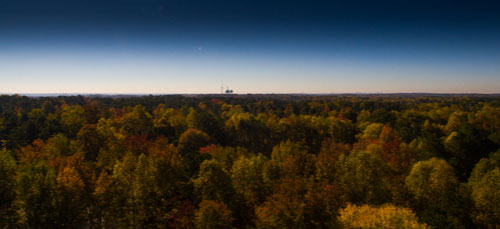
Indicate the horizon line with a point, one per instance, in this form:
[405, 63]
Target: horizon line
[56, 94]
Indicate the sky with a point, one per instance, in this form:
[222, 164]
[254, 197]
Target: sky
[192, 46]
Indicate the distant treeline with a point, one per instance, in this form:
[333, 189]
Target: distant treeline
[250, 161]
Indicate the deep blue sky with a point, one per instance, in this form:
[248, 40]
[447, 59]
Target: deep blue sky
[181, 46]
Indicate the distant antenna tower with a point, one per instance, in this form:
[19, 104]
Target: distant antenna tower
[228, 91]
[221, 87]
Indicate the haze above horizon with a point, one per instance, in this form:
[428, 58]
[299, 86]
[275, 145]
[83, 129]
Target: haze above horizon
[183, 47]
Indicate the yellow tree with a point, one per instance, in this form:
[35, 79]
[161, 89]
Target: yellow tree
[385, 216]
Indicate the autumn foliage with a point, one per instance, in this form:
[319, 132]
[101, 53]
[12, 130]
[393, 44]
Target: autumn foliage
[255, 161]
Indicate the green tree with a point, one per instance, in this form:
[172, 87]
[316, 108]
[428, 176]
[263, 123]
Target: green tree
[488, 119]
[72, 119]
[486, 199]
[285, 208]
[364, 177]
[59, 145]
[137, 122]
[248, 131]
[146, 195]
[190, 143]
[213, 183]
[124, 176]
[109, 202]
[116, 196]
[433, 185]
[322, 203]
[213, 215]
[38, 196]
[207, 122]
[327, 158]
[8, 216]
[342, 130]
[455, 121]
[113, 144]
[247, 179]
[431, 180]
[372, 131]
[169, 173]
[224, 155]
[484, 184]
[73, 203]
[91, 141]
[289, 159]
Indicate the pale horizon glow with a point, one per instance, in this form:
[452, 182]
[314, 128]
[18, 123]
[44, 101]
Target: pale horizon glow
[202, 74]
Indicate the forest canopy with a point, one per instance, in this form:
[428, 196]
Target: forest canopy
[250, 161]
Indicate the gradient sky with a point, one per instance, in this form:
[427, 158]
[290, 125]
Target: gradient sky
[182, 46]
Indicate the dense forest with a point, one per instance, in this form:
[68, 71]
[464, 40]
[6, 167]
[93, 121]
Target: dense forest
[250, 161]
